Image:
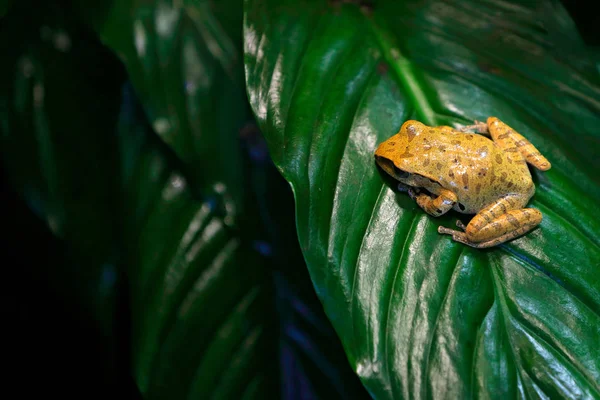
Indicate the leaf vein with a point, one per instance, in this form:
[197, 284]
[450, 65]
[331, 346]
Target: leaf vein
[435, 327]
[355, 274]
[389, 305]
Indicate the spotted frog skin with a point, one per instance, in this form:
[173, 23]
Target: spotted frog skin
[443, 168]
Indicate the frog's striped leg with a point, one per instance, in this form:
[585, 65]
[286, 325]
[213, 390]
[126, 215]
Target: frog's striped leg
[496, 224]
[462, 237]
[438, 206]
[512, 142]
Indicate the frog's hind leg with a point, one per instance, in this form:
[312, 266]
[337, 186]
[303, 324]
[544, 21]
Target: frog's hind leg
[512, 142]
[496, 224]
[462, 238]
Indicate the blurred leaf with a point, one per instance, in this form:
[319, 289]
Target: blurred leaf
[45, 321]
[59, 99]
[183, 58]
[189, 339]
[419, 315]
[203, 322]
[185, 62]
[202, 319]
[4, 6]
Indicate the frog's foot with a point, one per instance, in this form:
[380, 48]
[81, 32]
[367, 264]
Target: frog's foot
[457, 236]
[448, 231]
[461, 237]
[478, 126]
[414, 192]
[435, 206]
[487, 230]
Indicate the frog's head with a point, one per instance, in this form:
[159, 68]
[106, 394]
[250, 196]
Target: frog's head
[394, 155]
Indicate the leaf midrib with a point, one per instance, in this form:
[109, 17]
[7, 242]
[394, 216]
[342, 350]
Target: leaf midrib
[403, 71]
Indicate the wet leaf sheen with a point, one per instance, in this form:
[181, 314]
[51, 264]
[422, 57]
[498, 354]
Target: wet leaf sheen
[419, 315]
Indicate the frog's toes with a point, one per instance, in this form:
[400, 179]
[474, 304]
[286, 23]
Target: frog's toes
[413, 193]
[457, 236]
[461, 225]
[481, 127]
[478, 126]
[446, 231]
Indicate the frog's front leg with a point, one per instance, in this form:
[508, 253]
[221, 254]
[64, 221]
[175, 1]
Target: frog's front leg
[438, 206]
[478, 126]
[502, 221]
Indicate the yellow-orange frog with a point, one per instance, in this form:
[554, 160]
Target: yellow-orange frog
[468, 173]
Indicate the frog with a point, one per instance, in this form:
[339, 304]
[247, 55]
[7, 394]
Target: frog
[479, 169]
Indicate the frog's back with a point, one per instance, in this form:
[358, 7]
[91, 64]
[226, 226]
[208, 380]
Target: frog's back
[479, 172]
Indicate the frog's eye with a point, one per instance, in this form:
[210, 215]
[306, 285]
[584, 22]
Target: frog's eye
[399, 173]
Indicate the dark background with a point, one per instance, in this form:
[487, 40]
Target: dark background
[52, 347]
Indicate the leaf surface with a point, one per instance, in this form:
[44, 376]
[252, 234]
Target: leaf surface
[184, 60]
[185, 63]
[203, 323]
[419, 315]
[202, 317]
[47, 108]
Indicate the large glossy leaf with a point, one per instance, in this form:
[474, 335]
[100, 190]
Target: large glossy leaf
[312, 361]
[419, 315]
[185, 62]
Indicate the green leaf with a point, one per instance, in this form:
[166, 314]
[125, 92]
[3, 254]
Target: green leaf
[312, 360]
[59, 97]
[419, 315]
[184, 59]
[185, 62]
[4, 7]
[309, 354]
[203, 322]
[51, 128]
